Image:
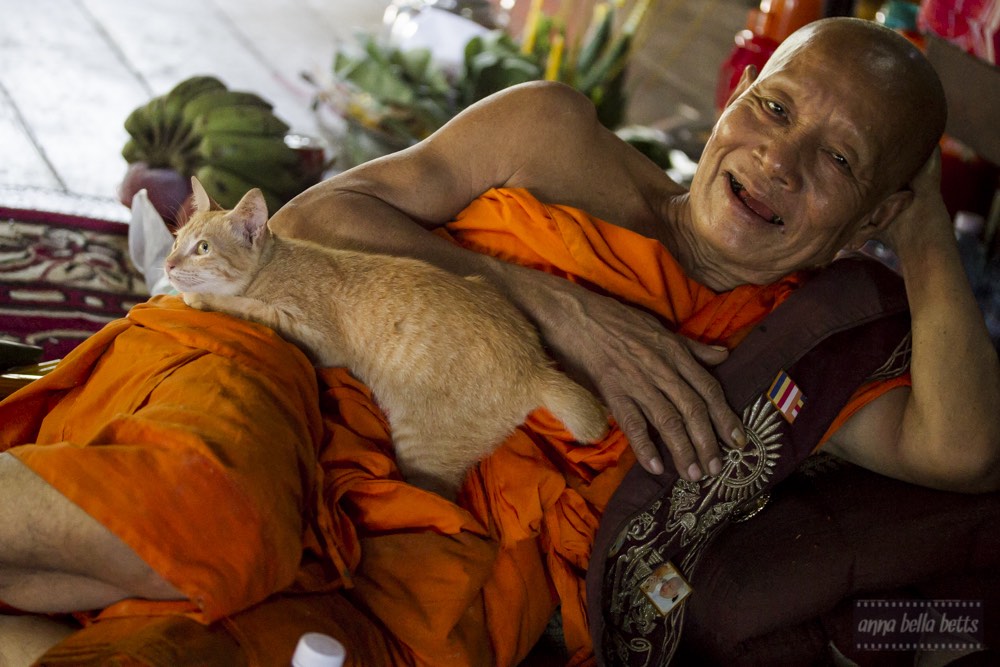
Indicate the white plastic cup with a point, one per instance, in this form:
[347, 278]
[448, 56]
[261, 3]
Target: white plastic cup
[318, 650]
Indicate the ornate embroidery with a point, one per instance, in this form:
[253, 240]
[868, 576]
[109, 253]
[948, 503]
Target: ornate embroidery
[818, 464]
[636, 633]
[749, 510]
[897, 363]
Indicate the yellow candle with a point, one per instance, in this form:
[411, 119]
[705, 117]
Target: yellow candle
[555, 58]
[531, 27]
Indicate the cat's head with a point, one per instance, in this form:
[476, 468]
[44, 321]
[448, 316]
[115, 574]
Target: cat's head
[218, 251]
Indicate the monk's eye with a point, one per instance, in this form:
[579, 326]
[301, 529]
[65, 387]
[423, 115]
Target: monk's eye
[201, 248]
[775, 107]
[840, 161]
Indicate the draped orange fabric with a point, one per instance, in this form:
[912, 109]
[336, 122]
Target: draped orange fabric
[184, 433]
[513, 225]
[539, 498]
[216, 504]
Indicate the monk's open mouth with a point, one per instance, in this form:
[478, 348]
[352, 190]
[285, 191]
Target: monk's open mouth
[755, 205]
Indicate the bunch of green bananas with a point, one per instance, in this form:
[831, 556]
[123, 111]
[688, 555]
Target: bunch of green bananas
[231, 140]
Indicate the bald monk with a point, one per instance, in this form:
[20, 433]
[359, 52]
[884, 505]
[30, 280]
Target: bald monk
[800, 166]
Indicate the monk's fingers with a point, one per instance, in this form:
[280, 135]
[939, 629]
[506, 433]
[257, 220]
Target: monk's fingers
[632, 422]
[681, 420]
[727, 424]
[651, 379]
[710, 355]
[699, 399]
[643, 408]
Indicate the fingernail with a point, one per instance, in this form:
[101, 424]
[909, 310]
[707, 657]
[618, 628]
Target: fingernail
[694, 472]
[739, 437]
[655, 466]
[714, 467]
[720, 348]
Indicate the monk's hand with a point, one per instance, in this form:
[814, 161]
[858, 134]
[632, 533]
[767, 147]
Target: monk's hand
[653, 381]
[925, 218]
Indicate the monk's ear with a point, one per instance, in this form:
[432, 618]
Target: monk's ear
[881, 217]
[746, 80]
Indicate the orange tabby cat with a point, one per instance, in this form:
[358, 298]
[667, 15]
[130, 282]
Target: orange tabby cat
[453, 364]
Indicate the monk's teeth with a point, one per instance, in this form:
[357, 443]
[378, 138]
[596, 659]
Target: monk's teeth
[736, 186]
[757, 207]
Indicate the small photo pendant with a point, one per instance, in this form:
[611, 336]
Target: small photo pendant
[666, 588]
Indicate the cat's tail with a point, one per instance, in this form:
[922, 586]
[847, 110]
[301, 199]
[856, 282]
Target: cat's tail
[578, 409]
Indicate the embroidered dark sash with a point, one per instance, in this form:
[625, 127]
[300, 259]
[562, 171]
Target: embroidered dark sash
[847, 324]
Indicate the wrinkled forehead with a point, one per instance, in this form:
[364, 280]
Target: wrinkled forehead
[871, 78]
[860, 87]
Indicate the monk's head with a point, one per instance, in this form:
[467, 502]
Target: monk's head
[814, 154]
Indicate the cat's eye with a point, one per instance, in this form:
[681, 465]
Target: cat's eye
[201, 248]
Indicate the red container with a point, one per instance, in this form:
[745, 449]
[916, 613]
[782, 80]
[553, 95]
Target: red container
[767, 26]
[750, 49]
[783, 17]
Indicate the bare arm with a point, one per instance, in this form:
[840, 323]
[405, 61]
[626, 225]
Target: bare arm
[541, 136]
[544, 138]
[945, 430]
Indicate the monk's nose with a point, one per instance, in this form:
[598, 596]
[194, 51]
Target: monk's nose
[779, 158]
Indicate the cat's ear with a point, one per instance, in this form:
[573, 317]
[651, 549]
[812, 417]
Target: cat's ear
[202, 202]
[250, 215]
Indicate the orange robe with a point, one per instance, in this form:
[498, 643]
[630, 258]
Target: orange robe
[472, 583]
[184, 433]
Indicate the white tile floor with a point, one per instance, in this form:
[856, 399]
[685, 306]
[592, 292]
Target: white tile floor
[72, 70]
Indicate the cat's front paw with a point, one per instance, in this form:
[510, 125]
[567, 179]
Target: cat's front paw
[197, 300]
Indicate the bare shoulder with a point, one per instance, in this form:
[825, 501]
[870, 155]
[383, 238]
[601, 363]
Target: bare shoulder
[514, 138]
[541, 136]
[553, 144]
[518, 136]
[548, 110]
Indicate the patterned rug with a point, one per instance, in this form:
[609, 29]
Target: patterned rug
[63, 275]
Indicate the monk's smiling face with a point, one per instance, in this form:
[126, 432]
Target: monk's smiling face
[807, 159]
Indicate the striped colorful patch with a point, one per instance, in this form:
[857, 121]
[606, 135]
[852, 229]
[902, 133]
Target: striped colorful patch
[786, 396]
